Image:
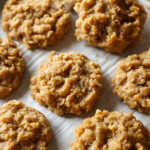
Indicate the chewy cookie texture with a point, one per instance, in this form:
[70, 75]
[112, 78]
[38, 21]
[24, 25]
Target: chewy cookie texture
[36, 23]
[23, 128]
[110, 24]
[132, 81]
[67, 83]
[111, 131]
[11, 67]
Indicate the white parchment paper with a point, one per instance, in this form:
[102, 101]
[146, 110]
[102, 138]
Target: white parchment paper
[62, 126]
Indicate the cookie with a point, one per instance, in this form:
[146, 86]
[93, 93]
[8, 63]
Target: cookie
[111, 131]
[111, 24]
[37, 23]
[132, 81]
[23, 128]
[67, 83]
[11, 67]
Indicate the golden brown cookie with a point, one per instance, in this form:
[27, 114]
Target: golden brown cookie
[111, 131]
[11, 67]
[132, 81]
[23, 128]
[67, 83]
[110, 24]
[37, 23]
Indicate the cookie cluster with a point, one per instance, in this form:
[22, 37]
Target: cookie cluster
[70, 83]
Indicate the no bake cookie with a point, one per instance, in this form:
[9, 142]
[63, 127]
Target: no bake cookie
[111, 24]
[37, 23]
[23, 128]
[67, 83]
[11, 67]
[111, 131]
[132, 81]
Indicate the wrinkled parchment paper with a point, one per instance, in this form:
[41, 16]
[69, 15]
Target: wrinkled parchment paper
[62, 126]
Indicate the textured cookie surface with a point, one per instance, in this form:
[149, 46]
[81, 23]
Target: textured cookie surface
[67, 83]
[37, 23]
[132, 81]
[11, 67]
[111, 131]
[23, 128]
[110, 24]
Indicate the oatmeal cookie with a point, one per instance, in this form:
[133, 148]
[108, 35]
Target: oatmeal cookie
[23, 128]
[111, 131]
[110, 24]
[67, 83]
[37, 23]
[11, 67]
[132, 81]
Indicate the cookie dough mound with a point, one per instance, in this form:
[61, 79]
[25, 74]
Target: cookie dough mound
[37, 23]
[110, 24]
[132, 81]
[111, 131]
[11, 67]
[67, 83]
[23, 128]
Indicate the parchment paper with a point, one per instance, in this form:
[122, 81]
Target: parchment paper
[62, 126]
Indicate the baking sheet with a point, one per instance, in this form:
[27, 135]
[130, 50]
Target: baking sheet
[62, 126]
